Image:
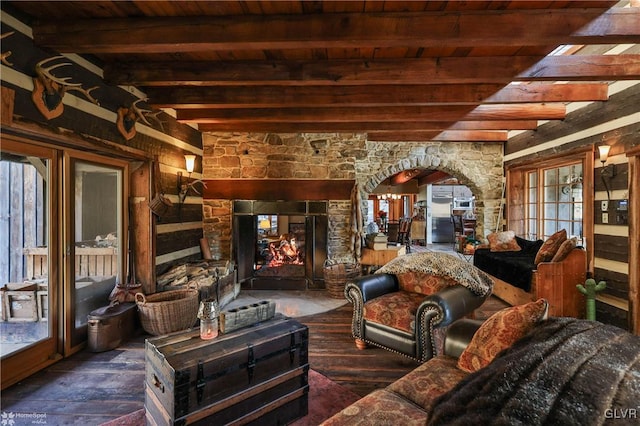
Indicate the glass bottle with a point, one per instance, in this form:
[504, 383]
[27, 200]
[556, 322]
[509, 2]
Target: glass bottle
[208, 315]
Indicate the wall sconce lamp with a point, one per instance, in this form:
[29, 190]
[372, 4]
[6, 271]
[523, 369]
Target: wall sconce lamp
[607, 172]
[183, 188]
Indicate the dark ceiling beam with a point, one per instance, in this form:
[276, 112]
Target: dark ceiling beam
[434, 177]
[553, 111]
[391, 94]
[359, 127]
[276, 97]
[339, 30]
[449, 70]
[445, 136]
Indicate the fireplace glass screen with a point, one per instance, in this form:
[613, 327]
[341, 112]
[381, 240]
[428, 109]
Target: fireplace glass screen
[280, 246]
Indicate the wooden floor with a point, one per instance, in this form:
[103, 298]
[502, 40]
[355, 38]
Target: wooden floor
[91, 388]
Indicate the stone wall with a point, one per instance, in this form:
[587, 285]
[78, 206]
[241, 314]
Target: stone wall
[342, 156]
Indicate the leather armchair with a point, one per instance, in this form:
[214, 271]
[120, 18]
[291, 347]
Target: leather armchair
[427, 314]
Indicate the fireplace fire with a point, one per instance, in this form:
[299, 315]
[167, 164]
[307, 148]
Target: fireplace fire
[281, 256]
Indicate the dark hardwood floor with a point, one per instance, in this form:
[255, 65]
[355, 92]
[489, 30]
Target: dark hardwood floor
[91, 388]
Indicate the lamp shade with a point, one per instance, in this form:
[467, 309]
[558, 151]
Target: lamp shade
[190, 161]
[264, 224]
[604, 152]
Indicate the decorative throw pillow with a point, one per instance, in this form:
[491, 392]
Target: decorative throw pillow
[499, 332]
[565, 249]
[503, 241]
[551, 246]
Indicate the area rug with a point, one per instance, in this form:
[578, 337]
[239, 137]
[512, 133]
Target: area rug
[326, 398]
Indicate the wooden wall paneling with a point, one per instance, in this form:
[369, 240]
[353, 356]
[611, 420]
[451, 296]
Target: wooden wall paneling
[181, 213]
[6, 108]
[609, 314]
[176, 241]
[619, 105]
[141, 225]
[611, 247]
[587, 204]
[634, 240]
[617, 283]
[619, 181]
[516, 183]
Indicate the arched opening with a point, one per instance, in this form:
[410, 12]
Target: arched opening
[430, 196]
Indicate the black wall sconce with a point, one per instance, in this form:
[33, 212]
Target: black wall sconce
[607, 172]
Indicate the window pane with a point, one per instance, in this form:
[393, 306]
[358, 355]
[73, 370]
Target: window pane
[98, 244]
[24, 251]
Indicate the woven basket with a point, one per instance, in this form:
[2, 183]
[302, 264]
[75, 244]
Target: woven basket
[168, 311]
[336, 277]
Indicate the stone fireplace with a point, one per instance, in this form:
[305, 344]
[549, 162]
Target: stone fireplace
[280, 245]
[324, 167]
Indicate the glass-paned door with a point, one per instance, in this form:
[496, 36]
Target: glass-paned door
[96, 248]
[29, 276]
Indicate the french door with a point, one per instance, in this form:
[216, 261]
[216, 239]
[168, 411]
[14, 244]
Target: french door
[93, 241]
[62, 227]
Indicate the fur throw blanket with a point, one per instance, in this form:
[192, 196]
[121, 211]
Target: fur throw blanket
[444, 265]
[565, 372]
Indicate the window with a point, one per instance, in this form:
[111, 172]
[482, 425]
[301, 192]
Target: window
[554, 201]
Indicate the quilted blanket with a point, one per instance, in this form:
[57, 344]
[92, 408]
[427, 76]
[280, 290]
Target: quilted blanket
[441, 264]
[565, 372]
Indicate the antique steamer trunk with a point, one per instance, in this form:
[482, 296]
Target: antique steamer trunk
[255, 375]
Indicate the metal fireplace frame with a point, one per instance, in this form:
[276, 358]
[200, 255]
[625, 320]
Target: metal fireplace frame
[245, 234]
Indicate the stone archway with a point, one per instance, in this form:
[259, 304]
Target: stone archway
[478, 166]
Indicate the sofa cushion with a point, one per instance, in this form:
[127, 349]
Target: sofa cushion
[529, 246]
[380, 407]
[564, 250]
[428, 381]
[503, 241]
[499, 332]
[397, 309]
[551, 246]
[423, 283]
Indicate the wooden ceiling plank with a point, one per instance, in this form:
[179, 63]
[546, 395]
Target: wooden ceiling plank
[452, 70]
[553, 111]
[446, 136]
[347, 30]
[360, 127]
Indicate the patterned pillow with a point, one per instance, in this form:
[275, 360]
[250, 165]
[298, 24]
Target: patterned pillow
[565, 249]
[499, 332]
[551, 246]
[503, 241]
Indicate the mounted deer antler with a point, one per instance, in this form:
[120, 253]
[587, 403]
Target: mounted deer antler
[128, 116]
[154, 116]
[5, 55]
[141, 113]
[49, 90]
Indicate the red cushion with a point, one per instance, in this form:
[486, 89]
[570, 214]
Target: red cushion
[396, 310]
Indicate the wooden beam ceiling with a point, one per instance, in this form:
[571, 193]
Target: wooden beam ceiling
[400, 70]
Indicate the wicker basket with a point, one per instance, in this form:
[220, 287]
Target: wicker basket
[168, 311]
[336, 277]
